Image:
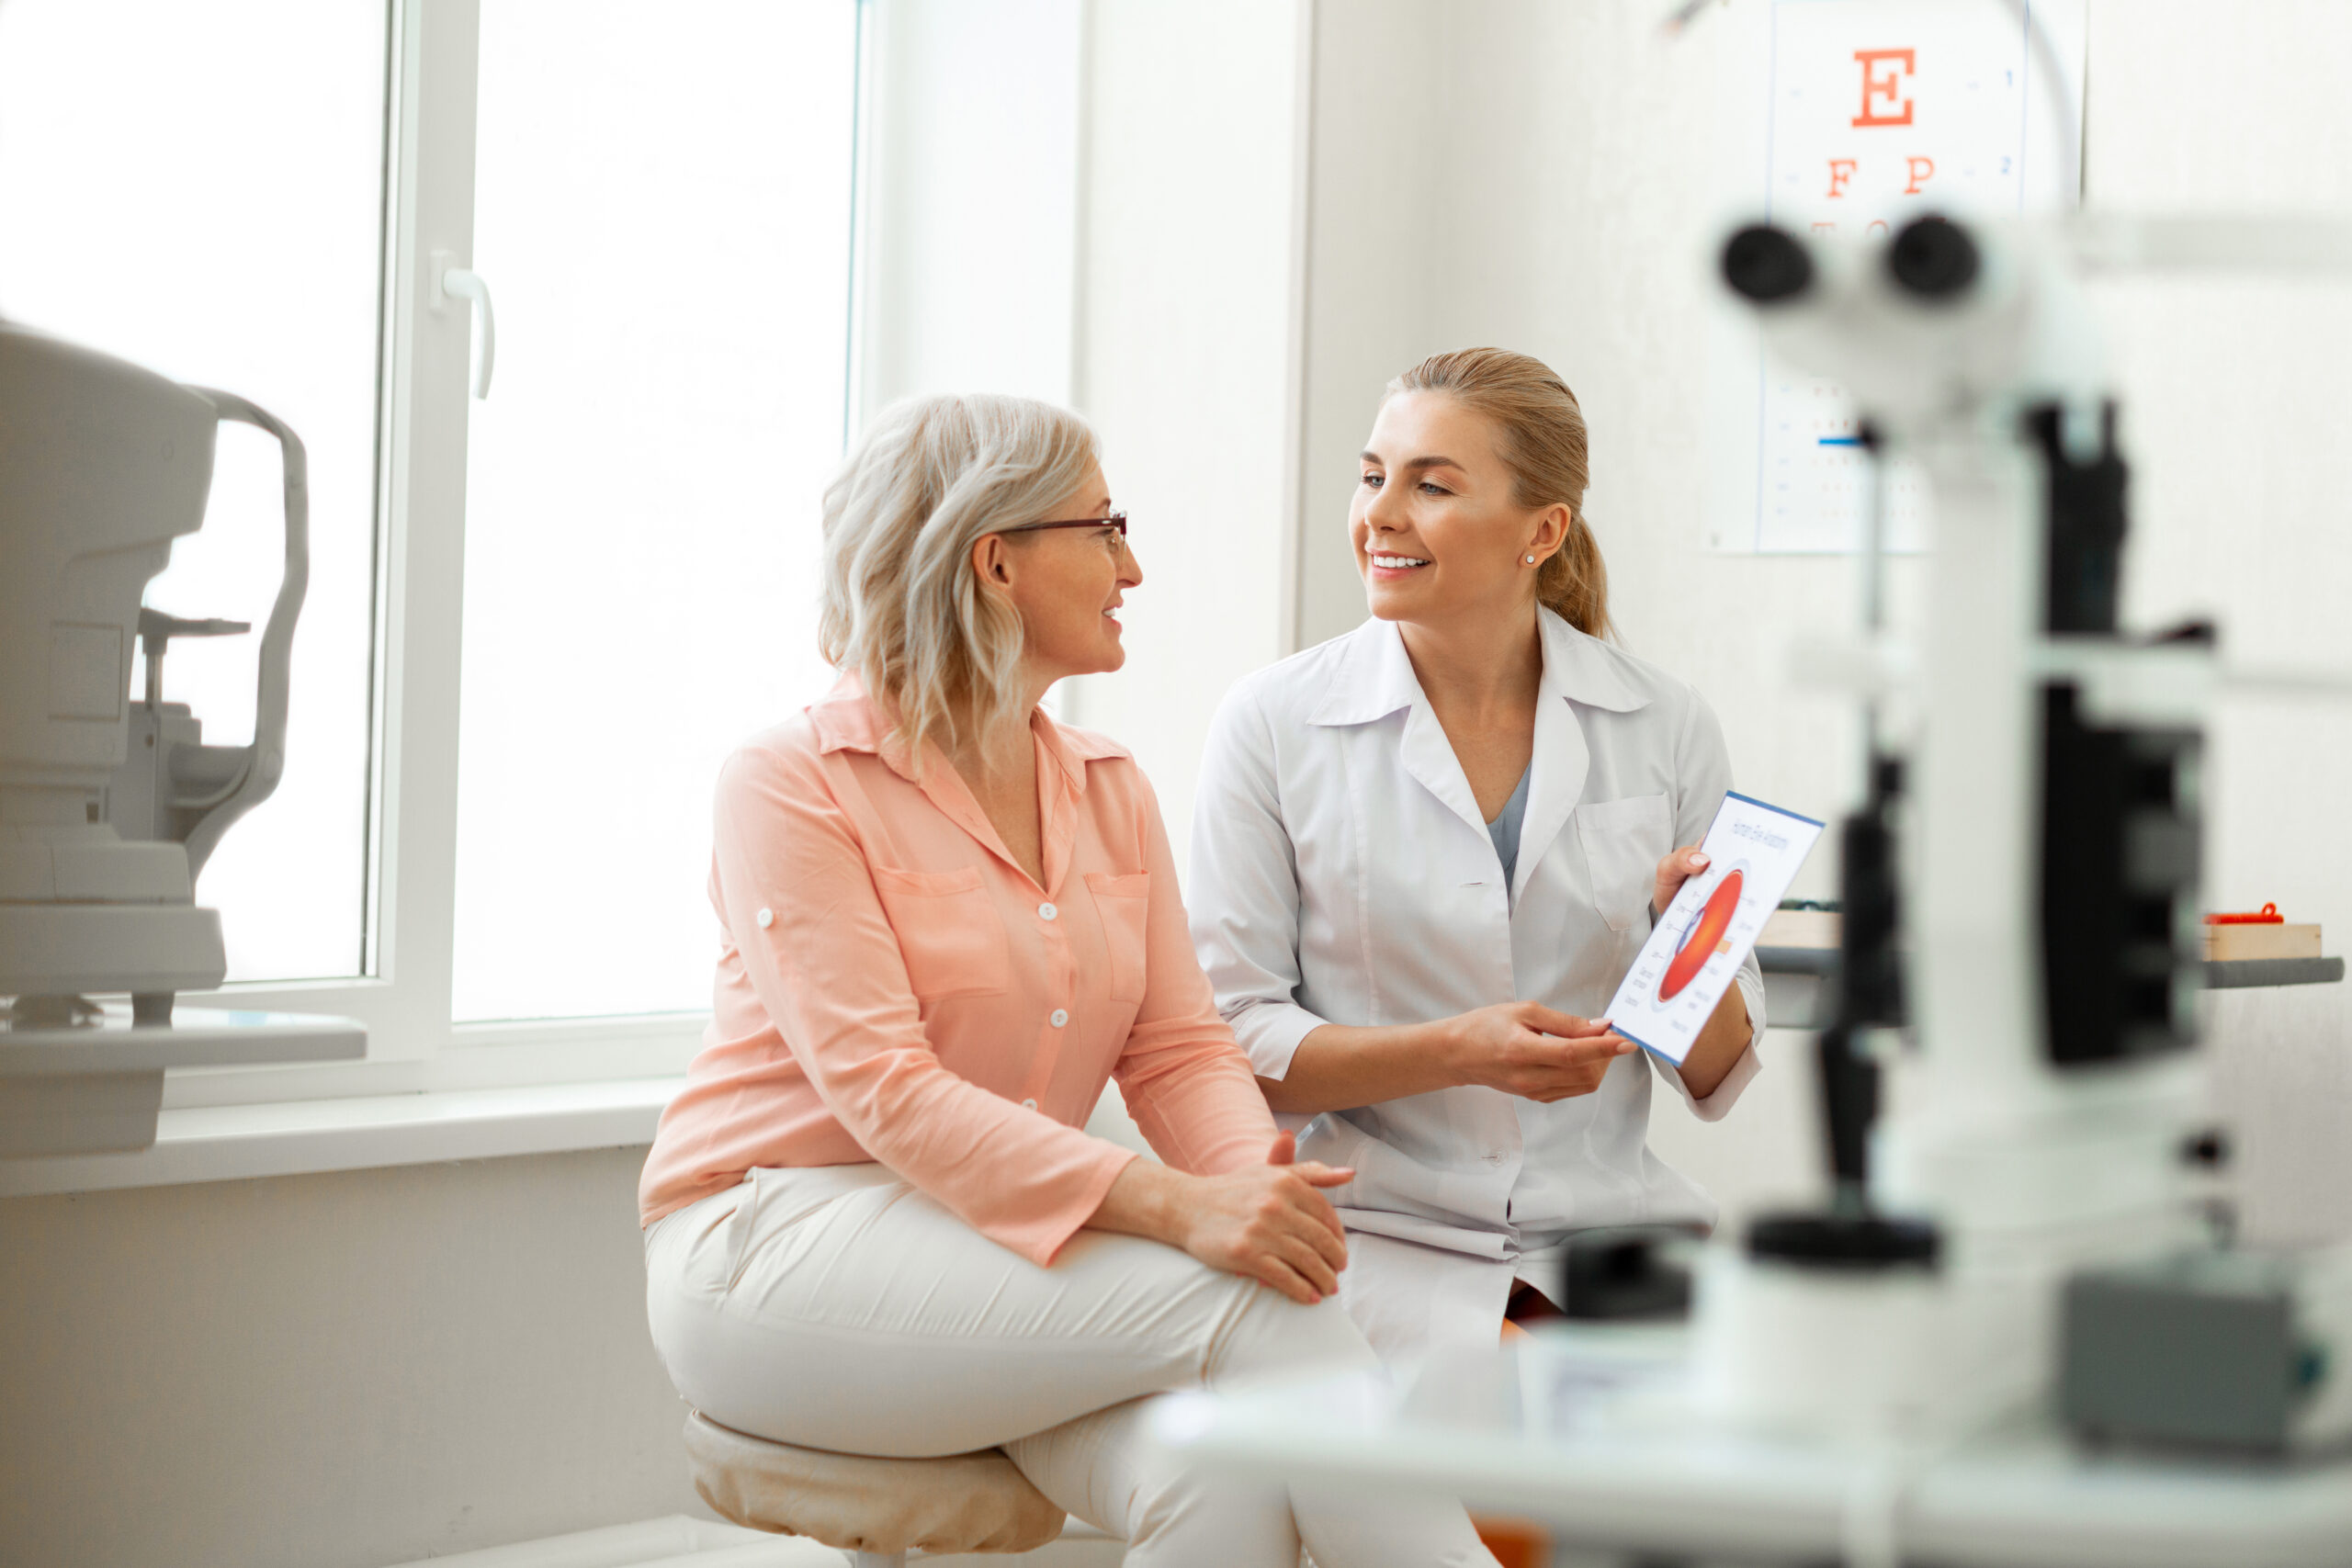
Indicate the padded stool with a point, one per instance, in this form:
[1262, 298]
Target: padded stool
[877, 1510]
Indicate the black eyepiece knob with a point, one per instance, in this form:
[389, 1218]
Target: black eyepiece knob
[1767, 264]
[1933, 258]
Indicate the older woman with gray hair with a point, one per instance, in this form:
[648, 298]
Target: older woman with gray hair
[874, 1223]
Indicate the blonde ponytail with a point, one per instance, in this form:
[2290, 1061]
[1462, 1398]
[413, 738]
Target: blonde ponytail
[1542, 442]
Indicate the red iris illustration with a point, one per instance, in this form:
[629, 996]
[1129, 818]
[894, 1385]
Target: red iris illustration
[1705, 932]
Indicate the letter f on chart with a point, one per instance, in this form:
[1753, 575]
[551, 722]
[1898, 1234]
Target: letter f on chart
[1883, 71]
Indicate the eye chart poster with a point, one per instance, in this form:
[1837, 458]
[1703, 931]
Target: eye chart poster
[1753, 853]
[1858, 116]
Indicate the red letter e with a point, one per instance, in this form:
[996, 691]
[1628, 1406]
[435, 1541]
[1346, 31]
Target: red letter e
[1881, 89]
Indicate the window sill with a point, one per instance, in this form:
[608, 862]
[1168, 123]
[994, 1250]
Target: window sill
[233, 1143]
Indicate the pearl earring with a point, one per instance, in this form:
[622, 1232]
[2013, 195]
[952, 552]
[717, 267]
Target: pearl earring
[1531, 561]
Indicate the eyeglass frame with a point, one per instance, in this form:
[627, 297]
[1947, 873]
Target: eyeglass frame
[1115, 518]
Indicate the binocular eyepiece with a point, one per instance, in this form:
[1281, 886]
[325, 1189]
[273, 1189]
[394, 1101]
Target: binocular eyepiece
[1931, 258]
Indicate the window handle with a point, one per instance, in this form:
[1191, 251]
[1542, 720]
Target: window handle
[462, 283]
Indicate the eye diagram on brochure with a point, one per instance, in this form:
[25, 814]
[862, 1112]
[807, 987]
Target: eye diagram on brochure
[1708, 930]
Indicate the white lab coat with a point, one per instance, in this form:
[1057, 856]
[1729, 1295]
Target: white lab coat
[1342, 872]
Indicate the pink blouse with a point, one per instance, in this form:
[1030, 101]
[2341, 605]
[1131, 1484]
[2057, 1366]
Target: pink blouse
[893, 988]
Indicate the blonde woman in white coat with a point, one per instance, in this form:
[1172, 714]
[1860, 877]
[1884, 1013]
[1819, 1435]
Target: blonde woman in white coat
[1424, 853]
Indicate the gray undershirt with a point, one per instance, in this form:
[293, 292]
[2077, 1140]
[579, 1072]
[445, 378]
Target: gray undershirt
[1504, 829]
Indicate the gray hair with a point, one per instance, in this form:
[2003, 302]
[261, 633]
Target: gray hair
[902, 605]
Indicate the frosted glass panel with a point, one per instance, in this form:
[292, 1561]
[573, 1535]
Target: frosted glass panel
[199, 188]
[661, 210]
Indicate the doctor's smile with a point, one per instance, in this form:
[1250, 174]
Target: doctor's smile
[1424, 853]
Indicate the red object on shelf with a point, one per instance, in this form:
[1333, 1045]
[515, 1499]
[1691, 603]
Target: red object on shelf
[2269, 916]
[1705, 932]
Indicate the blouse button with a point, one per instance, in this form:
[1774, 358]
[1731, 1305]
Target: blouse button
[766, 919]
[1046, 911]
[1028, 1105]
[1061, 1016]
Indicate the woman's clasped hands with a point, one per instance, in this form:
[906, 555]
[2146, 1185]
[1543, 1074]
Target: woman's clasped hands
[1271, 1222]
[1268, 1222]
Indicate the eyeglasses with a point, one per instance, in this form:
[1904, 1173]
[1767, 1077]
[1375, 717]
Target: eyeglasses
[1115, 520]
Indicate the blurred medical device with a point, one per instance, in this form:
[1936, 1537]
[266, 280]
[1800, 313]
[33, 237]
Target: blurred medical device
[110, 806]
[2022, 940]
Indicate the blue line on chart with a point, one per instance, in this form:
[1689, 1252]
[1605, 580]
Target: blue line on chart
[1841, 441]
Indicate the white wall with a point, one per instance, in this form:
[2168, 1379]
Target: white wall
[1187, 348]
[331, 1372]
[1095, 203]
[1537, 176]
[969, 198]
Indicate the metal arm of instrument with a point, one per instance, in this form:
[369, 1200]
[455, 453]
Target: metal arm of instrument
[267, 762]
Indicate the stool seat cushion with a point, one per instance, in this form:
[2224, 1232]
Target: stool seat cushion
[975, 1502]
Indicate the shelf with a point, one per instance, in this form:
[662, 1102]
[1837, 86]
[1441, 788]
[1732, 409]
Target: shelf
[2220, 975]
[97, 1088]
[1799, 992]
[1822, 961]
[2239, 973]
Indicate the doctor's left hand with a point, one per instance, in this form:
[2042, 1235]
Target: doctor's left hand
[1673, 871]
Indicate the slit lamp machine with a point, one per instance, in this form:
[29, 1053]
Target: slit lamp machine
[2033, 838]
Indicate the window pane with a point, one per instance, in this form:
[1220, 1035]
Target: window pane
[199, 189]
[661, 209]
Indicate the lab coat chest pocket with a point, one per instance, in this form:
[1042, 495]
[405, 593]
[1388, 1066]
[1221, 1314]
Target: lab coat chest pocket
[1623, 840]
[1125, 904]
[948, 931]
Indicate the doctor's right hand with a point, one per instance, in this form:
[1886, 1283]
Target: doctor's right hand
[1529, 1050]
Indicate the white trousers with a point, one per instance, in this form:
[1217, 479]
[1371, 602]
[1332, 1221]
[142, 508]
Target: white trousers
[840, 1308]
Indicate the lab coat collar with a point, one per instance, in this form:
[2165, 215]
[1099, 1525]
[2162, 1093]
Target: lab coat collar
[1583, 668]
[1578, 670]
[1374, 679]
[1373, 676]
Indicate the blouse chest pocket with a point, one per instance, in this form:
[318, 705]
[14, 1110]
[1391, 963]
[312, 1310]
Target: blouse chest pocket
[948, 931]
[1125, 904]
[1623, 840]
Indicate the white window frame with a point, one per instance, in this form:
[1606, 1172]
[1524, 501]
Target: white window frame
[914, 139]
[405, 999]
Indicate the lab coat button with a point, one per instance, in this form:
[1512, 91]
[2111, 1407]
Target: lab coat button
[766, 919]
[1046, 911]
[1061, 1016]
[1028, 1105]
